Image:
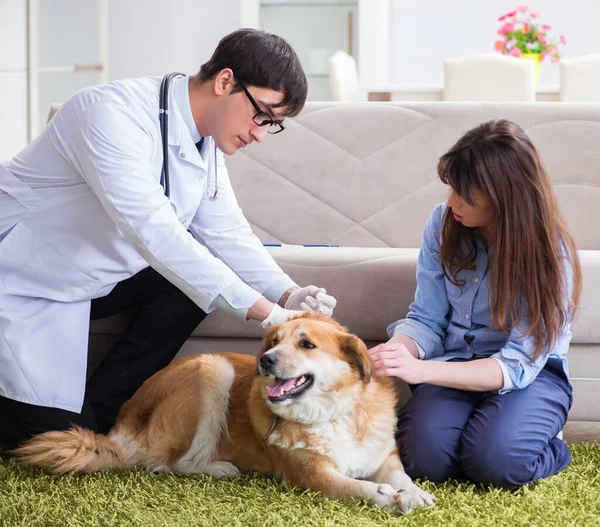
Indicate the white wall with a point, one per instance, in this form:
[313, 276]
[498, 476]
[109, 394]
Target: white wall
[145, 37]
[68, 32]
[153, 37]
[315, 31]
[13, 76]
[425, 33]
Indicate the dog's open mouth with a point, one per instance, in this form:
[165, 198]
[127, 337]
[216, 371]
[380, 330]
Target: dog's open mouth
[288, 388]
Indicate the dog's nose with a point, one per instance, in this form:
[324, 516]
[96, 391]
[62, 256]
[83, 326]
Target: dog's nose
[268, 361]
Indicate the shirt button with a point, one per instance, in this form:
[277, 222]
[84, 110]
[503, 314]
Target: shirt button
[467, 316]
[476, 280]
[182, 155]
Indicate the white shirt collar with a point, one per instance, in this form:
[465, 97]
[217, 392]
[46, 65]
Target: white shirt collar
[182, 100]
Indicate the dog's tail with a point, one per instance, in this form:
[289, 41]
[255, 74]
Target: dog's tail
[74, 450]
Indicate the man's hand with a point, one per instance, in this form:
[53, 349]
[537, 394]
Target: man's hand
[311, 298]
[278, 315]
[393, 359]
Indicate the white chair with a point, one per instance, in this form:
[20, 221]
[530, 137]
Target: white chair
[580, 79]
[343, 78]
[489, 77]
[53, 109]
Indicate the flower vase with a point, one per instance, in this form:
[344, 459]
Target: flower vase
[536, 57]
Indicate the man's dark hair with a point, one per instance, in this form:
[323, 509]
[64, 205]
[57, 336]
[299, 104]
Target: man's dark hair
[260, 59]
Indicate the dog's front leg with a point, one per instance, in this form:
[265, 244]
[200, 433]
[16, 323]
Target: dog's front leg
[322, 475]
[392, 472]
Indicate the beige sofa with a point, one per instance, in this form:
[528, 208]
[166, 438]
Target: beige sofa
[363, 176]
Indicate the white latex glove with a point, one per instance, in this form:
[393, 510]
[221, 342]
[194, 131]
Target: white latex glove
[278, 315]
[311, 298]
[322, 303]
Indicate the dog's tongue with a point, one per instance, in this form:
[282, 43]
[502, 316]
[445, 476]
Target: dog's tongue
[280, 387]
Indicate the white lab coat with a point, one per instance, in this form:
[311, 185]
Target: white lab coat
[88, 211]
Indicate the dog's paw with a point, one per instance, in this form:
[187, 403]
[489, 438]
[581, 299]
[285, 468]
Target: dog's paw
[222, 469]
[383, 495]
[385, 490]
[412, 498]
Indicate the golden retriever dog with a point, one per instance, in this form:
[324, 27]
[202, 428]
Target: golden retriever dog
[306, 410]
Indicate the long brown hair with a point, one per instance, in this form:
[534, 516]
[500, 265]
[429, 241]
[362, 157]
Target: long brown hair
[532, 241]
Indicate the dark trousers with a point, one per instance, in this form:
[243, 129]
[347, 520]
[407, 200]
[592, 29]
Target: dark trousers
[502, 440]
[164, 318]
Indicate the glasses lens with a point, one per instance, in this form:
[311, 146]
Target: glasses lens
[275, 128]
[262, 119]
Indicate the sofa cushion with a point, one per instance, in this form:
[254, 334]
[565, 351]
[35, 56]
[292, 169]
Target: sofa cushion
[364, 174]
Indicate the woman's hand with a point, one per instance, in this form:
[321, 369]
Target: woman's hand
[393, 359]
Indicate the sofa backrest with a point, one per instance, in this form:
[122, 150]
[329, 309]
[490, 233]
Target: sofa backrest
[364, 174]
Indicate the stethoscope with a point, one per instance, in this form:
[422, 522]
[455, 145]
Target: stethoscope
[163, 117]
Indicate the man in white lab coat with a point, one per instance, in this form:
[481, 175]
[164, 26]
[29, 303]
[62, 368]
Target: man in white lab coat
[87, 231]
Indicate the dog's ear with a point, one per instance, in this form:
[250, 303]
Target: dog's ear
[355, 350]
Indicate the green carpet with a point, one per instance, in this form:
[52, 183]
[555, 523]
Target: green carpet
[32, 498]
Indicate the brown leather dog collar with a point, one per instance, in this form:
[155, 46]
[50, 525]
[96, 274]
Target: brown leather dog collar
[273, 425]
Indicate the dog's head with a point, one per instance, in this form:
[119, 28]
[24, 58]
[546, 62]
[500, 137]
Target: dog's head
[311, 368]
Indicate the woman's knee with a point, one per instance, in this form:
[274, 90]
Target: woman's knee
[430, 428]
[502, 460]
[494, 464]
[426, 453]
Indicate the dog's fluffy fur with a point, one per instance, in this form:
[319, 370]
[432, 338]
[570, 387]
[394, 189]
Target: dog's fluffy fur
[307, 411]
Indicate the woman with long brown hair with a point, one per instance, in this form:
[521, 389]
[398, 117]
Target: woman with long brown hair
[484, 343]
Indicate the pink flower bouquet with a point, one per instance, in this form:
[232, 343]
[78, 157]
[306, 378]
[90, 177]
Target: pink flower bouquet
[522, 34]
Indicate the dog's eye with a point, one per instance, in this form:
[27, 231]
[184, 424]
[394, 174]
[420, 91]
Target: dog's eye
[306, 344]
[275, 341]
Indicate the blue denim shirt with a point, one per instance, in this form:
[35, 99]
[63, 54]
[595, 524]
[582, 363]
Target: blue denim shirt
[449, 322]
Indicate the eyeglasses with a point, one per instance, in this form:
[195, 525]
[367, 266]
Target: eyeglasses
[261, 118]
